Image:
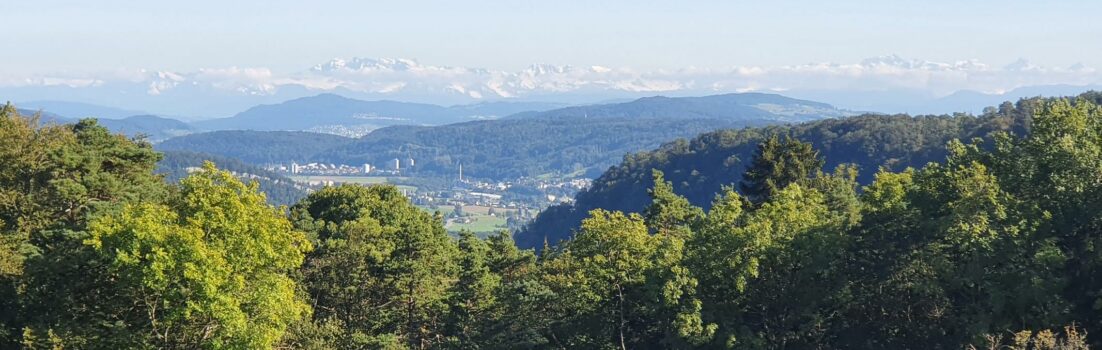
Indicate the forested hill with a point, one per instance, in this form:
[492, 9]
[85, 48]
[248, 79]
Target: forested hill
[278, 189]
[510, 148]
[152, 127]
[572, 140]
[256, 147]
[330, 110]
[698, 168]
[740, 107]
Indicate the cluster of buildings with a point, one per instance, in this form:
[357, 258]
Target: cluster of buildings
[438, 198]
[391, 167]
[521, 198]
[574, 185]
[516, 212]
[485, 186]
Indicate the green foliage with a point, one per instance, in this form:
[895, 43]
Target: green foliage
[24, 151]
[600, 281]
[473, 298]
[55, 178]
[1000, 235]
[699, 168]
[101, 253]
[777, 164]
[211, 271]
[1071, 338]
[382, 267]
[669, 212]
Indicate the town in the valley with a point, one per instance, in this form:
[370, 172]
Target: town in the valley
[465, 203]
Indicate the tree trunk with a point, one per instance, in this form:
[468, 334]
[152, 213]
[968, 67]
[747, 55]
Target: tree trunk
[620, 292]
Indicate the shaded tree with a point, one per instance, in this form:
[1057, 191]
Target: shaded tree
[777, 164]
[382, 268]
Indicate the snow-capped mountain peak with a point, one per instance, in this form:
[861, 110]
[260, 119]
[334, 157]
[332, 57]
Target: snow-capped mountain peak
[359, 64]
[412, 80]
[1021, 65]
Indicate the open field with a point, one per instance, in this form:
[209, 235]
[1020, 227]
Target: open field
[477, 209]
[444, 210]
[482, 225]
[472, 209]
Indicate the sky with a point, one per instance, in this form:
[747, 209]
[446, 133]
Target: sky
[83, 36]
[204, 57]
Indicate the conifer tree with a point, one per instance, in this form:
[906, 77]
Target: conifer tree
[382, 268]
[776, 164]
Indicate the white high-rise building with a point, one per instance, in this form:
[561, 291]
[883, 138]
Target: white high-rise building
[294, 168]
[367, 169]
[395, 164]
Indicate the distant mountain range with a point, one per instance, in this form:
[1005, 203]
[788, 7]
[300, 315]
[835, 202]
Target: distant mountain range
[152, 127]
[974, 102]
[334, 114]
[351, 117]
[325, 113]
[920, 102]
[565, 140]
[492, 140]
[738, 107]
[77, 110]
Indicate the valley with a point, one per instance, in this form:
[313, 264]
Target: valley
[519, 164]
[551, 175]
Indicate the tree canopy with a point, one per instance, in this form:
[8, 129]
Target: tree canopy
[700, 167]
[993, 245]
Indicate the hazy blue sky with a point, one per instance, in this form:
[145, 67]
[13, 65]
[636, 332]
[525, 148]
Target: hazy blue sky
[52, 36]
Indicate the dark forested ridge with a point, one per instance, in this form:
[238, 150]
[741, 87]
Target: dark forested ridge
[519, 147]
[256, 147]
[991, 244]
[495, 149]
[699, 167]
